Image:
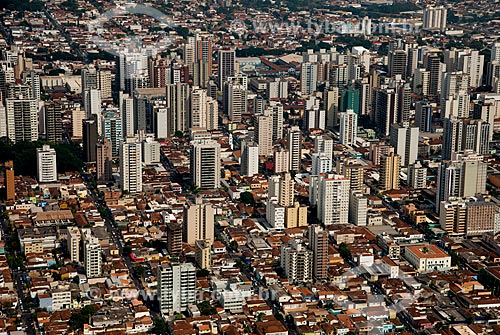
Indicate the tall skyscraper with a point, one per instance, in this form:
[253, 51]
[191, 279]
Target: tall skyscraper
[176, 287]
[332, 107]
[131, 165]
[9, 181]
[417, 176]
[397, 63]
[281, 163]
[235, 101]
[294, 146]
[275, 110]
[22, 119]
[465, 134]
[348, 127]
[333, 199]
[226, 59]
[354, 170]
[432, 63]
[199, 108]
[104, 160]
[468, 216]
[126, 105]
[282, 187]
[89, 139]
[318, 242]
[46, 164]
[435, 18]
[385, 108]
[404, 139]
[198, 223]
[323, 144]
[358, 208]
[77, 117]
[423, 116]
[53, 121]
[308, 77]
[321, 163]
[262, 134]
[179, 104]
[463, 176]
[205, 164]
[390, 167]
[297, 261]
[174, 238]
[73, 241]
[132, 72]
[249, 158]
[350, 99]
[113, 131]
[92, 255]
[150, 151]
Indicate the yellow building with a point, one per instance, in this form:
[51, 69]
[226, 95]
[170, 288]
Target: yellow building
[202, 253]
[296, 216]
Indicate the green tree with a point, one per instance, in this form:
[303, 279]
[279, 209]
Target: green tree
[234, 245]
[77, 320]
[247, 198]
[139, 271]
[203, 273]
[159, 326]
[344, 251]
[206, 309]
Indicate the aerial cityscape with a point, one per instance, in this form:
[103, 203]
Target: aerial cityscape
[264, 167]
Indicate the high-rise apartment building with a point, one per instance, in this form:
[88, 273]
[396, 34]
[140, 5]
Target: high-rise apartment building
[202, 253]
[205, 164]
[397, 62]
[294, 146]
[235, 101]
[262, 134]
[318, 243]
[348, 127]
[321, 163]
[179, 103]
[467, 216]
[417, 175]
[46, 164]
[226, 59]
[423, 116]
[131, 165]
[297, 261]
[53, 113]
[174, 238]
[308, 77]
[282, 187]
[404, 139]
[9, 181]
[73, 240]
[281, 163]
[22, 119]
[89, 139]
[463, 176]
[435, 18]
[198, 223]
[176, 287]
[92, 255]
[104, 157]
[358, 208]
[333, 199]
[390, 168]
[249, 158]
